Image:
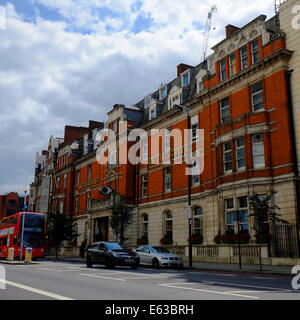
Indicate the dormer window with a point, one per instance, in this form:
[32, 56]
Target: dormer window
[176, 99]
[162, 92]
[152, 113]
[199, 86]
[147, 100]
[185, 78]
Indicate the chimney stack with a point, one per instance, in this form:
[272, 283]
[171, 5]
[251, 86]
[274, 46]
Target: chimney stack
[230, 29]
[181, 68]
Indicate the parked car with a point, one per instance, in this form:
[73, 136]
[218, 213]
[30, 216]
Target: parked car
[158, 256]
[111, 254]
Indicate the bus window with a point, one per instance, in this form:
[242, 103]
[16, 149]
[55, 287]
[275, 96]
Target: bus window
[3, 241]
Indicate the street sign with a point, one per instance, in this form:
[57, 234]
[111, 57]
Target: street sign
[187, 211]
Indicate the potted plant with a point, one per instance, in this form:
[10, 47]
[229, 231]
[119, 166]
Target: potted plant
[196, 239]
[166, 239]
[142, 241]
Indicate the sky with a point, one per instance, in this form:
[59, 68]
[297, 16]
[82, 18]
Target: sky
[64, 62]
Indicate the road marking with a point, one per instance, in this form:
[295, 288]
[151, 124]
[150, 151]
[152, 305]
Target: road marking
[37, 291]
[263, 278]
[102, 277]
[170, 285]
[48, 269]
[248, 286]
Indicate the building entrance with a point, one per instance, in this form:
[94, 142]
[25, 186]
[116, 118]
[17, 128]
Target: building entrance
[101, 229]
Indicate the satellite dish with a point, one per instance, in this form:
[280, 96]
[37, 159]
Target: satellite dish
[105, 190]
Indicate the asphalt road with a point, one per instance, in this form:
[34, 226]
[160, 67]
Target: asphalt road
[51, 280]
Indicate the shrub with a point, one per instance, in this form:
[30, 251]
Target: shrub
[232, 238]
[196, 239]
[166, 240]
[142, 241]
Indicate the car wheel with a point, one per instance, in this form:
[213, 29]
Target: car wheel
[155, 263]
[89, 262]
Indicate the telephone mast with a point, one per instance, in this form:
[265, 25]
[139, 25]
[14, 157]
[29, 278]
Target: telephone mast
[207, 30]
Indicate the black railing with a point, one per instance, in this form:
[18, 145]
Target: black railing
[283, 241]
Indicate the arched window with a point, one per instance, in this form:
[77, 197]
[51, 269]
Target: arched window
[198, 221]
[145, 220]
[168, 222]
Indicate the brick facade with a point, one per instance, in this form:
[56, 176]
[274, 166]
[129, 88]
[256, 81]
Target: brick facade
[239, 97]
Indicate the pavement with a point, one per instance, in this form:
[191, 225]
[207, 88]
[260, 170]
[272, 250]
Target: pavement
[206, 266]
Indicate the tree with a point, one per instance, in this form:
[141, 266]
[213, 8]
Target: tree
[264, 214]
[121, 216]
[60, 227]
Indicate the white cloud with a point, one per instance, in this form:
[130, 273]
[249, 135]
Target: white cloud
[51, 77]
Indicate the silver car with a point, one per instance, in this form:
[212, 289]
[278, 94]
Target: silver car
[158, 256]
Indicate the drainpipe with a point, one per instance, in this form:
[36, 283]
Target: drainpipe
[288, 74]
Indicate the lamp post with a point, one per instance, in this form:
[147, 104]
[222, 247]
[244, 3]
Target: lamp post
[23, 223]
[187, 111]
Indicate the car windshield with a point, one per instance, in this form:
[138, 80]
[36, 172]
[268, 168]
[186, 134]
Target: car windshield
[113, 246]
[160, 250]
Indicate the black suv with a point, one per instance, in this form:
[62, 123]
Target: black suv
[111, 254]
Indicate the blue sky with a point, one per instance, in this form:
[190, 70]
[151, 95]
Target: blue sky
[64, 62]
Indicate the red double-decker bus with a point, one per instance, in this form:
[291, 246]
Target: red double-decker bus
[33, 235]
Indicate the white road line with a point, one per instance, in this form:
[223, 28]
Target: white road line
[255, 291]
[37, 291]
[102, 277]
[263, 278]
[247, 286]
[48, 269]
[208, 291]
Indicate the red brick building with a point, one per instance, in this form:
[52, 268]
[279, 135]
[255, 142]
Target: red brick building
[10, 204]
[239, 98]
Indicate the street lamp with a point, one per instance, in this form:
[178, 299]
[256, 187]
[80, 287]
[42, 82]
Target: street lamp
[23, 223]
[187, 111]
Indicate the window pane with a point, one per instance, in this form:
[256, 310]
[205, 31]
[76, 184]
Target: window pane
[240, 153]
[260, 160]
[258, 149]
[256, 87]
[257, 138]
[227, 146]
[229, 203]
[241, 163]
[243, 202]
[230, 217]
[228, 156]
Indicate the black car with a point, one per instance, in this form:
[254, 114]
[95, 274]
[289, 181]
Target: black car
[111, 254]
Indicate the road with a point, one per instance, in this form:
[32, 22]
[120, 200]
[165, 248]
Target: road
[51, 280]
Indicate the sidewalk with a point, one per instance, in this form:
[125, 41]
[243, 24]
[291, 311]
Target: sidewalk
[246, 268]
[17, 262]
[209, 267]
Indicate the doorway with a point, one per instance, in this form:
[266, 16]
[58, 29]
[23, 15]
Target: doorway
[101, 229]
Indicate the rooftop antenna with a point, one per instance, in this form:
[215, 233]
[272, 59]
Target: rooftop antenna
[207, 30]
